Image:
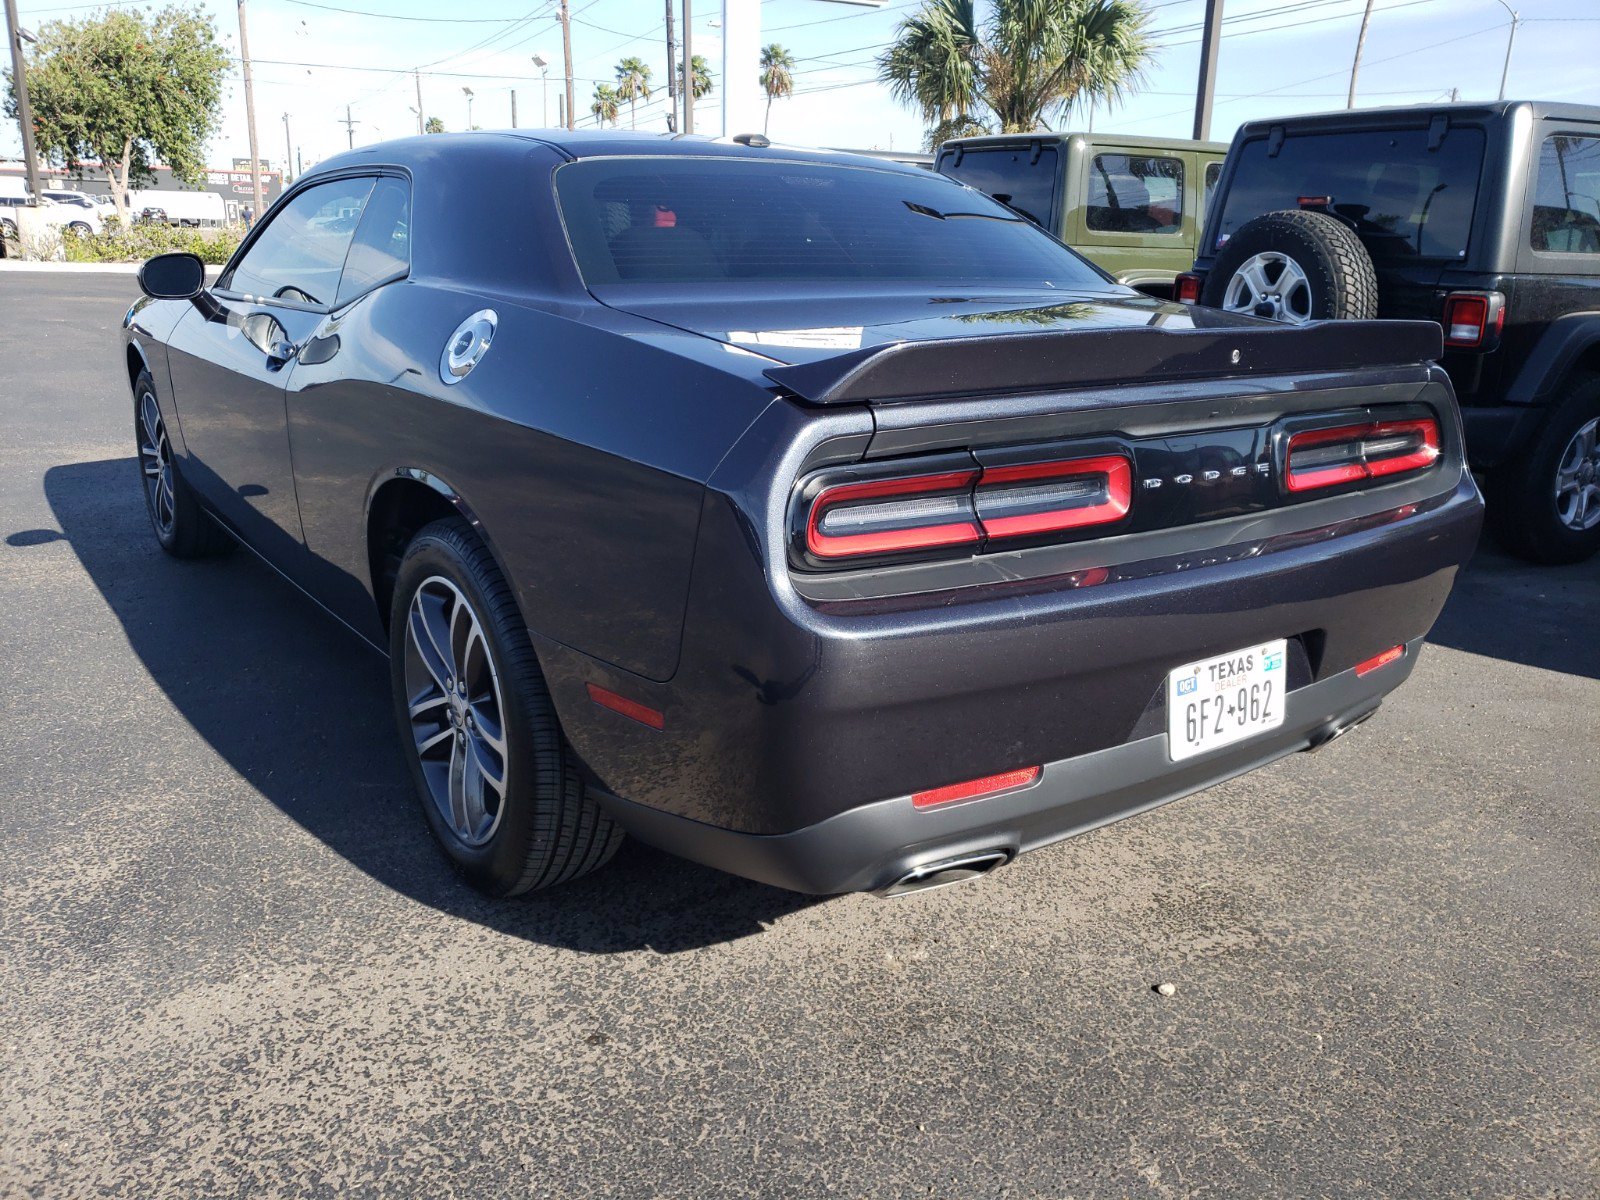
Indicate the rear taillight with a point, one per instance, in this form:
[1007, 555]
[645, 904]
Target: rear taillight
[1320, 458]
[1473, 320]
[1392, 654]
[976, 789]
[956, 508]
[1186, 288]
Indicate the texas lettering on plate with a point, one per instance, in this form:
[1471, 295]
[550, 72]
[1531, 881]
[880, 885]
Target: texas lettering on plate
[1219, 701]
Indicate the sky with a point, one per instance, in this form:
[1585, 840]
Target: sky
[1278, 57]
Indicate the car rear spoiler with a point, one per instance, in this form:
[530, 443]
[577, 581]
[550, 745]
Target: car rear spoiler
[1025, 362]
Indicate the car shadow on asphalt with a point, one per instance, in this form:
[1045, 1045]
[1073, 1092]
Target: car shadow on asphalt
[1540, 616]
[299, 708]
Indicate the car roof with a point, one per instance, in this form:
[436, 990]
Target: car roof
[1369, 117]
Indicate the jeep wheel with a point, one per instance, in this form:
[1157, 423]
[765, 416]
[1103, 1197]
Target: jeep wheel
[1544, 505]
[1295, 267]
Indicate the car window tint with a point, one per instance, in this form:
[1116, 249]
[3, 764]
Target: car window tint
[1403, 199]
[1135, 194]
[678, 220]
[1022, 177]
[381, 250]
[1566, 201]
[300, 253]
[1213, 175]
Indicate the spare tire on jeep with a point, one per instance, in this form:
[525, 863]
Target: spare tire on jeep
[1294, 266]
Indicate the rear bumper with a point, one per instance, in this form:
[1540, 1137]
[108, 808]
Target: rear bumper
[871, 847]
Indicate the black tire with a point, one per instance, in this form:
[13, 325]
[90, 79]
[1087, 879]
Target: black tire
[1340, 279]
[1523, 510]
[81, 228]
[548, 829]
[181, 524]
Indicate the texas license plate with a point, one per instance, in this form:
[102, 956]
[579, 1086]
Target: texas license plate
[1219, 701]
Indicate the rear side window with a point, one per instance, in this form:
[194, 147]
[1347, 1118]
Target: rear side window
[699, 220]
[1566, 201]
[1135, 194]
[1213, 176]
[300, 254]
[1404, 200]
[381, 250]
[1023, 178]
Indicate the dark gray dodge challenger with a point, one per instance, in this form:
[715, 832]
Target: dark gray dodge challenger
[809, 516]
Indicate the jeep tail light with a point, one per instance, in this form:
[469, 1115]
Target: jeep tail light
[1320, 458]
[975, 789]
[965, 507]
[1186, 288]
[885, 516]
[1473, 319]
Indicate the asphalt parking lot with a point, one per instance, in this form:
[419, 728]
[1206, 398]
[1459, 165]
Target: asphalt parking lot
[232, 963]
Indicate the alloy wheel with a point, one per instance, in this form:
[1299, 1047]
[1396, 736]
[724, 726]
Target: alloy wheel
[456, 709]
[155, 462]
[1578, 479]
[1270, 285]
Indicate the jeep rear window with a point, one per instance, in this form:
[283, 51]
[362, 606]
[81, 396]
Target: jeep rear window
[675, 220]
[1404, 200]
[1012, 175]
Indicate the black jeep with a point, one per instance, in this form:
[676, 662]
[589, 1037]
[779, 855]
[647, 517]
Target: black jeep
[1483, 217]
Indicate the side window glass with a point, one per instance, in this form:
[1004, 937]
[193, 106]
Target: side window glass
[1566, 200]
[301, 252]
[1213, 174]
[1135, 194]
[381, 250]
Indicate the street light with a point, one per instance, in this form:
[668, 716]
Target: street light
[543, 64]
[467, 92]
[1510, 42]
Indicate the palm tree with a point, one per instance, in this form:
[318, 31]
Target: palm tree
[1030, 62]
[777, 77]
[606, 105]
[633, 83]
[435, 125]
[702, 76]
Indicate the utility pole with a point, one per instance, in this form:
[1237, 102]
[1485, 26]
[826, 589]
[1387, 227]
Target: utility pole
[288, 149]
[566, 56]
[349, 126]
[672, 74]
[1516, 19]
[513, 108]
[421, 126]
[688, 66]
[1210, 39]
[19, 80]
[250, 115]
[1355, 67]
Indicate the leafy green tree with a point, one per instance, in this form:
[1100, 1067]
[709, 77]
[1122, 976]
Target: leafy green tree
[606, 104]
[633, 83]
[702, 76]
[777, 77]
[1030, 62]
[433, 125]
[129, 88]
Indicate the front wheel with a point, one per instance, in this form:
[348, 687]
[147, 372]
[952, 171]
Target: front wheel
[497, 781]
[1544, 504]
[181, 525]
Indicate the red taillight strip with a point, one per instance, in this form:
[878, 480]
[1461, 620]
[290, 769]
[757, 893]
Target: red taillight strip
[631, 709]
[974, 789]
[925, 537]
[1360, 464]
[1392, 654]
[1119, 494]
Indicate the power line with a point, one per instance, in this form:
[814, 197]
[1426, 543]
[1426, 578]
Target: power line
[361, 12]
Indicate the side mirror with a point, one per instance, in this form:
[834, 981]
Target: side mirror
[173, 277]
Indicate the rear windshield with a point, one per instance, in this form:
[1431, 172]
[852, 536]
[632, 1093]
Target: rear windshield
[1023, 178]
[697, 220]
[1405, 200]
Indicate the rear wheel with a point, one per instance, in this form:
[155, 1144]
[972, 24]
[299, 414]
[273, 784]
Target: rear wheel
[1294, 266]
[1545, 503]
[181, 525]
[497, 781]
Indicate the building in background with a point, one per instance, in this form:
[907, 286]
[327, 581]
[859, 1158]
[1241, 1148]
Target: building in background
[232, 184]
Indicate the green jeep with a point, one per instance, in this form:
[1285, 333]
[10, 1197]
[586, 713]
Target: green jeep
[1133, 206]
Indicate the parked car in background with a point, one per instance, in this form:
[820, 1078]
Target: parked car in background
[92, 209]
[191, 209]
[1133, 206]
[807, 515]
[1482, 217]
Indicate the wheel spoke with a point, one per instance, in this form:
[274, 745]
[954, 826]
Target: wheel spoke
[425, 702]
[422, 637]
[432, 742]
[488, 769]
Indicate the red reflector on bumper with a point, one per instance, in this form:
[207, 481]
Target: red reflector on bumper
[631, 709]
[975, 788]
[1392, 654]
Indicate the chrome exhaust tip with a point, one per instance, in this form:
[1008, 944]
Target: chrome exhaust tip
[946, 871]
[1329, 733]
